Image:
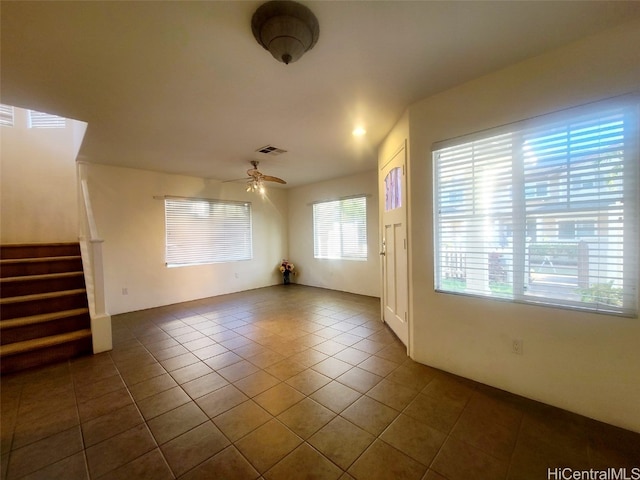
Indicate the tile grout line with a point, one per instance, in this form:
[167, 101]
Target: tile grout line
[77, 404]
[515, 445]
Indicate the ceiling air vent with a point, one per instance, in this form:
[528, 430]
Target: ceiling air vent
[271, 150]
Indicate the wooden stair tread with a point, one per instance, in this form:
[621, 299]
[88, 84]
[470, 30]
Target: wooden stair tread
[7, 261]
[44, 244]
[33, 250]
[41, 276]
[41, 318]
[44, 342]
[41, 296]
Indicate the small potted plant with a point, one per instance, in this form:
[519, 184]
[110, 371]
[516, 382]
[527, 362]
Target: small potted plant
[286, 268]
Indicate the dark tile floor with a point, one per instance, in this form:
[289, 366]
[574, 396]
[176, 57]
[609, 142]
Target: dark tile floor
[281, 383]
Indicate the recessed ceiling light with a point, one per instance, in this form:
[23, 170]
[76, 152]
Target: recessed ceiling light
[359, 132]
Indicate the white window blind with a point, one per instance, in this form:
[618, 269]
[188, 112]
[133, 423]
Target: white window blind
[6, 115]
[543, 211]
[200, 231]
[45, 120]
[340, 229]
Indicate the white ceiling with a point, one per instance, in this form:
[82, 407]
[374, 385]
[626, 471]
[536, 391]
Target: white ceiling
[183, 87]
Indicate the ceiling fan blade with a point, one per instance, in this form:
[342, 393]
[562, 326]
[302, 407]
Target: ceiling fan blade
[237, 180]
[269, 178]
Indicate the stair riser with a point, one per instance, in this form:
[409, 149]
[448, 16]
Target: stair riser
[39, 268]
[54, 327]
[29, 286]
[39, 250]
[49, 355]
[47, 305]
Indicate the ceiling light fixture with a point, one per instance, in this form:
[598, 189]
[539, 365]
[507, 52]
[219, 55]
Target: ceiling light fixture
[359, 132]
[286, 29]
[255, 185]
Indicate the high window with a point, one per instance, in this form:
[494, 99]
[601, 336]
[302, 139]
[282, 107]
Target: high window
[543, 211]
[45, 120]
[200, 231]
[6, 115]
[340, 229]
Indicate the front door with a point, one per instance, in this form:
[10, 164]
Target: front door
[393, 251]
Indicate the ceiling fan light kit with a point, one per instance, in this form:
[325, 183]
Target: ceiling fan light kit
[255, 186]
[285, 28]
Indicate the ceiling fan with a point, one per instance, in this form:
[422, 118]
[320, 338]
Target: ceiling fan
[256, 179]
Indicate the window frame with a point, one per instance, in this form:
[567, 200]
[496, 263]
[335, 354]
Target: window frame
[348, 244]
[205, 227]
[627, 108]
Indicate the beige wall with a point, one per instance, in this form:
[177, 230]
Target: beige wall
[131, 222]
[361, 277]
[586, 363]
[38, 199]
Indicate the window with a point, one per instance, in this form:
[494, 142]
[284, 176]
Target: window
[45, 120]
[573, 243]
[6, 115]
[200, 231]
[586, 229]
[567, 229]
[340, 229]
[537, 190]
[393, 190]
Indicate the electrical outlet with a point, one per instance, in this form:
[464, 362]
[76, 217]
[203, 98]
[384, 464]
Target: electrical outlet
[517, 346]
[125, 291]
[236, 275]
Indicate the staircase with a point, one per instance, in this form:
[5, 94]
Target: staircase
[44, 315]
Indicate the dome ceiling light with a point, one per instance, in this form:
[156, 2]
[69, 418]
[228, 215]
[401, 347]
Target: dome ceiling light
[287, 29]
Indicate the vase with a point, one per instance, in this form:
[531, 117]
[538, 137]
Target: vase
[285, 277]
